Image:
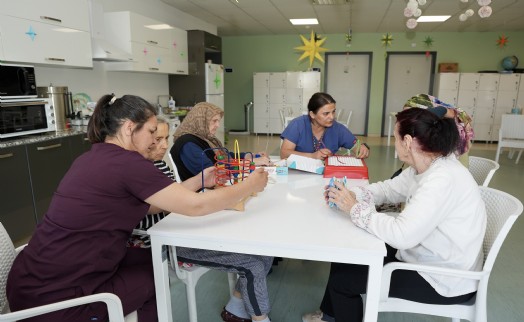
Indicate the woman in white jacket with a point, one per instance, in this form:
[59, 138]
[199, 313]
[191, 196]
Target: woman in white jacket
[443, 222]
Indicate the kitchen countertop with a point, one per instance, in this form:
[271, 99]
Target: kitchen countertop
[33, 138]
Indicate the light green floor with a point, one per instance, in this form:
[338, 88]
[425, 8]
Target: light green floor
[297, 286]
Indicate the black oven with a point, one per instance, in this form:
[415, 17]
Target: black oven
[17, 81]
[21, 117]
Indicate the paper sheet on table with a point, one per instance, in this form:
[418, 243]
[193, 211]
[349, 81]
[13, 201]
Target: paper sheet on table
[299, 162]
[344, 161]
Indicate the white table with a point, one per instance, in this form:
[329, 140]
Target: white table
[290, 219]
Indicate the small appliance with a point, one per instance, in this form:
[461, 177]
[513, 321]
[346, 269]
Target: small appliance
[17, 82]
[28, 116]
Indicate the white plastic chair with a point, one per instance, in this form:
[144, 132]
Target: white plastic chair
[8, 254]
[174, 168]
[341, 113]
[511, 135]
[502, 211]
[482, 169]
[190, 276]
[282, 119]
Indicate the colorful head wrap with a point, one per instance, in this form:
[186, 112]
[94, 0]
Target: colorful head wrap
[441, 109]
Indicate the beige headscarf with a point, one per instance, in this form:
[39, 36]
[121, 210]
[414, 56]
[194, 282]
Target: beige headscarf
[197, 122]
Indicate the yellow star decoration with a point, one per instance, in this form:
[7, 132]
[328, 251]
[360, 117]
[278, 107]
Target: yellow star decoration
[311, 48]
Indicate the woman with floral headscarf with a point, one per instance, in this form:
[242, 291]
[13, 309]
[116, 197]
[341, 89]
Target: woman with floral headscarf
[195, 135]
[441, 109]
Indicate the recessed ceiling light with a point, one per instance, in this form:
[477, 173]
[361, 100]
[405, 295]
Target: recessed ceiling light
[159, 27]
[432, 18]
[310, 21]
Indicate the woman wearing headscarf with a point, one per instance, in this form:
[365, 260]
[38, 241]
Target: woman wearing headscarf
[250, 300]
[197, 134]
[442, 109]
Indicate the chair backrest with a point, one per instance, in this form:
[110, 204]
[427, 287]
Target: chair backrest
[282, 119]
[502, 211]
[7, 256]
[482, 169]
[340, 115]
[512, 127]
[175, 170]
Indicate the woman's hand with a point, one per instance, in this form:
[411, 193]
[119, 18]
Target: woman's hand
[258, 179]
[262, 160]
[209, 177]
[363, 152]
[340, 196]
[322, 154]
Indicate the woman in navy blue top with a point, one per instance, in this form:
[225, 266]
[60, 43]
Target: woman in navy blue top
[318, 135]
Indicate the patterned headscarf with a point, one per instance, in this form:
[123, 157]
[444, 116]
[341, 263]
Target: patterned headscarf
[462, 119]
[197, 122]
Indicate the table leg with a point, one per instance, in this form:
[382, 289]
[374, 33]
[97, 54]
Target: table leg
[373, 290]
[162, 289]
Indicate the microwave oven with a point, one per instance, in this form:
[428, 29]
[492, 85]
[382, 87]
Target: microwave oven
[22, 117]
[17, 81]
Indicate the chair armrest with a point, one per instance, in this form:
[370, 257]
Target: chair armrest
[114, 307]
[391, 267]
[19, 248]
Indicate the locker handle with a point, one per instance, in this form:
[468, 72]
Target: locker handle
[5, 156]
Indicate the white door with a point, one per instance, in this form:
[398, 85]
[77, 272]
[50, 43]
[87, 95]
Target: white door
[407, 75]
[347, 80]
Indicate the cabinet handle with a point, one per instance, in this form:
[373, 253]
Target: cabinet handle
[42, 148]
[5, 156]
[153, 68]
[55, 59]
[50, 18]
[152, 42]
[213, 47]
[86, 139]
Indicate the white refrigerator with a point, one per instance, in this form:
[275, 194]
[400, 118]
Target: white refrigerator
[215, 91]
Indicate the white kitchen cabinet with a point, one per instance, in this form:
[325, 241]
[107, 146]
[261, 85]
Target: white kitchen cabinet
[35, 42]
[55, 32]
[154, 50]
[281, 93]
[72, 14]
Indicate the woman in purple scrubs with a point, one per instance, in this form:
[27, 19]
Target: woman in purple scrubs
[79, 247]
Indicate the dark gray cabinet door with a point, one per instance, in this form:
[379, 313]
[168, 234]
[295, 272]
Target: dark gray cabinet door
[79, 144]
[48, 162]
[17, 214]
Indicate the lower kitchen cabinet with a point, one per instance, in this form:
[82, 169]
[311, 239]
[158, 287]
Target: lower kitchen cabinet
[17, 214]
[48, 161]
[79, 144]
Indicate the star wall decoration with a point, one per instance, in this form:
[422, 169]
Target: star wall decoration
[312, 48]
[217, 81]
[31, 33]
[349, 38]
[387, 40]
[502, 41]
[428, 41]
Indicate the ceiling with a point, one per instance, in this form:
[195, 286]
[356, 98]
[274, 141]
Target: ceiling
[271, 17]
